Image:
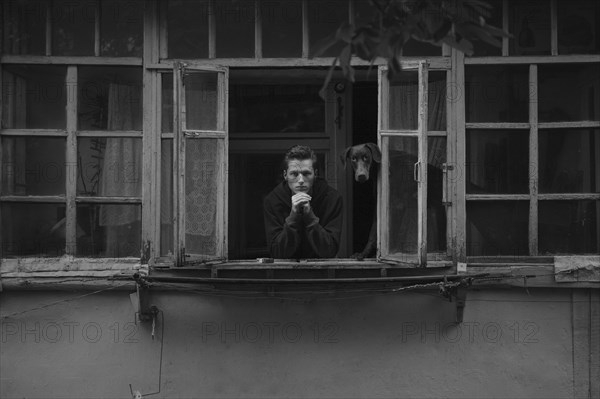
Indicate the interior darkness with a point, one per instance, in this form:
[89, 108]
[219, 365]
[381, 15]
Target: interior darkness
[364, 130]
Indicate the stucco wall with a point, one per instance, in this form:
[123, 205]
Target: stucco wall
[510, 344]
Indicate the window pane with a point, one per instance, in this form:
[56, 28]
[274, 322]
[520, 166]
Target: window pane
[187, 27]
[403, 197]
[235, 28]
[33, 97]
[569, 161]
[166, 197]
[201, 100]
[73, 27]
[276, 108]
[578, 27]
[33, 229]
[497, 228]
[251, 177]
[364, 12]
[324, 18]
[166, 108]
[33, 166]
[569, 92]
[110, 98]
[281, 28]
[436, 210]
[416, 48]
[404, 101]
[25, 27]
[497, 93]
[497, 161]
[121, 28]
[109, 167]
[202, 171]
[109, 230]
[569, 227]
[529, 22]
[481, 48]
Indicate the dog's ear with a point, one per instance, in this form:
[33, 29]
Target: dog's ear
[344, 155]
[375, 152]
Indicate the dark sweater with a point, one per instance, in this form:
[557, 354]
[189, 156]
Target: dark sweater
[315, 234]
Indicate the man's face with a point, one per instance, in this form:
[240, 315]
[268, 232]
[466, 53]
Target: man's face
[300, 175]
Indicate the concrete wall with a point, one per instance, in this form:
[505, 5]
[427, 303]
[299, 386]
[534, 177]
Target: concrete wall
[510, 345]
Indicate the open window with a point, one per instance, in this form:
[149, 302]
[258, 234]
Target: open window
[200, 166]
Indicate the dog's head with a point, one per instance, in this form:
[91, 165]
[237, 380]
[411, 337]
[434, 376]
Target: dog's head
[361, 158]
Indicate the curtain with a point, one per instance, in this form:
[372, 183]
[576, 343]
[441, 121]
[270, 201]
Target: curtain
[120, 175]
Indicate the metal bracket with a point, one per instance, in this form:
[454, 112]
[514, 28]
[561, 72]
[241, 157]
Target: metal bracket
[458, 293]
[144, 311]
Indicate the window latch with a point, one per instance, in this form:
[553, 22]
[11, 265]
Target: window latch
[445, 169]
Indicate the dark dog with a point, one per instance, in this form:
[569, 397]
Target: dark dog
[362, 158]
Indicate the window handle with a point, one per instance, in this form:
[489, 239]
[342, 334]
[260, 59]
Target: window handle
[416, 171]
[445, 169]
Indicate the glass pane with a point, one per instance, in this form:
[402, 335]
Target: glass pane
[569, 92]
[187, 27]
[251, 178]
[33, 97]
[497, 161]
[578, 27]
[324, 18]
[201, 100]
[497, 93]
[109, 230]
[569, 227]
[73, 25]
[404, 101]
[529, 22]
[403, 196]
[364, 12]
[110, 98]
[569, 161]
[109, 167]
[121, 28]
[416, 48]
[25, 27]
[281, 28]
[235, 28]
[33, 166]
[166, 107]
[166, 197]
[481, 48]
[497, 228]
[33, 229]
[276, 108]
[436, 210]
[202, 170]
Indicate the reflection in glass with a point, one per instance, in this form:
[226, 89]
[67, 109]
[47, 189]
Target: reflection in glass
[33, 230]
[569, 161]
[187, 29]
[276, 108]
[324, 18]
[436, 210]
[109, 167]
[166, 99]
[497, 161]
[33, 97]
[529, 22]
[109, 230]
[569, 227]
[121, 28]
[110, 98]
[578, 27]
[201, 101]
[404, 101]
[568, 92]
[202, 173]
[482, 48]
[73, 25]
[497, 93]
[166, 197]
[33, 166]
[281, 28]
[25, 27]
[497, 228]
[234, 20]
[403, 195]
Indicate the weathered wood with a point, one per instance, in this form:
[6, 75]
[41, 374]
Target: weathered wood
[497, 125]
[107, 200]
[533, 59]
[423, 157]
[533, 161]
[70, 60]
[33, 199]
[569, 196]
[569, 125]
[110, 133]
[34, 132]
[496, 197]
[577, 268]
[460, 213]
[71, 163]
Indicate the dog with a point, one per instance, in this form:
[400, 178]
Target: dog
[363, 158]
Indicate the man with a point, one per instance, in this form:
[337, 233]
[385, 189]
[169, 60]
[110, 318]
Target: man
[303, 215]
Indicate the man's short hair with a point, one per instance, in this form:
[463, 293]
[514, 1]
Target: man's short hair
[299, 152]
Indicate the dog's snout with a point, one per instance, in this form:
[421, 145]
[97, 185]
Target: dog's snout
[362, 178]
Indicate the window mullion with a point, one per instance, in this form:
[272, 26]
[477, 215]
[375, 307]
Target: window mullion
[533, 160]
[49, 28]
[212, 30]
[257, 30]
[423, 157]
[505, 28]
[97, 28]
[305, 32]
[553, 28]
[71, 162]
